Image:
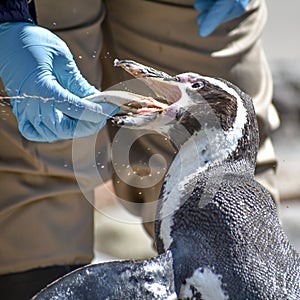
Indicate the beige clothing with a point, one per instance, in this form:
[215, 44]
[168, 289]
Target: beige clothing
[41, 205]
[45, 218]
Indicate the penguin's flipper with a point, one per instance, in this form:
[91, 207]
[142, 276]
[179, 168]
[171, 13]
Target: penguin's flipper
[142, 279]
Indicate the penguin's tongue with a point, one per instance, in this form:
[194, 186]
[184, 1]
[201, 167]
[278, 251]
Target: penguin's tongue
[162, 84]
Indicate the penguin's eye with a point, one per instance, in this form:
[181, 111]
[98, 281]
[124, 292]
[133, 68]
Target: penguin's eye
[197, 85]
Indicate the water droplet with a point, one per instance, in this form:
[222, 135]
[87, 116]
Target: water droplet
[80, 57]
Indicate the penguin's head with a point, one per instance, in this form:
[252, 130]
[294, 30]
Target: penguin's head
[211, 109]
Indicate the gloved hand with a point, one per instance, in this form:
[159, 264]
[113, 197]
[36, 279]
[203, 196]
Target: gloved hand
[45, 86]
[216, 12]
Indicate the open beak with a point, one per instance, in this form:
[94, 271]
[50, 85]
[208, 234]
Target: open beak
[138, 110]
[165, 87]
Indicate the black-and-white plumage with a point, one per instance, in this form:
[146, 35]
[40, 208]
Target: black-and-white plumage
[217, 230]
[141, 280]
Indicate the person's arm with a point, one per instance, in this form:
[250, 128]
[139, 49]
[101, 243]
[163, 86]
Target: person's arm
[43, 82]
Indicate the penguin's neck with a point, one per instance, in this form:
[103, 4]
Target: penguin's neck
[200, 161]
[193, 223]
[204, 149]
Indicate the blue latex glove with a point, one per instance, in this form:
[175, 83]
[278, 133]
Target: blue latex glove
[216, 12]
[45, 86]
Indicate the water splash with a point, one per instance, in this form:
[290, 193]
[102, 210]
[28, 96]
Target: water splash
[26, 97]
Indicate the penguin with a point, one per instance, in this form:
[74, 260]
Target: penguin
[218, 234]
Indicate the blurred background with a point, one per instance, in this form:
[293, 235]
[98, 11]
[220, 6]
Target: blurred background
[118, 234]
[282, 47]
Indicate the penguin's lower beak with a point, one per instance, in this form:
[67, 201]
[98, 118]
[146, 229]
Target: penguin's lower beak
[161, 83]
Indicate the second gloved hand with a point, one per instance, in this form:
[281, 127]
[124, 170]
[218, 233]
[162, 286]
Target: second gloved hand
[45, 86]
[216, 12]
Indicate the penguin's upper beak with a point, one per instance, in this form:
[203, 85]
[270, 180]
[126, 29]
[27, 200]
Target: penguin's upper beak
[161, 83]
